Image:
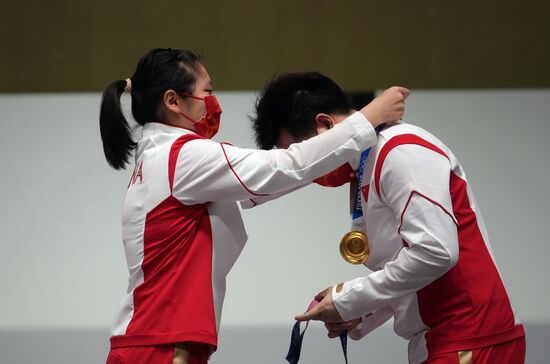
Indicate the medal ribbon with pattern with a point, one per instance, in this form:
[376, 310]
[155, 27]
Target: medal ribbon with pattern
[357, 212]
[354, 246]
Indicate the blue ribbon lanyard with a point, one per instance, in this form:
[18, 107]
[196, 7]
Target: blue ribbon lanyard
[296, 339]
[357, 210]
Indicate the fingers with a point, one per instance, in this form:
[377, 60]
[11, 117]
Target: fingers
[338, 326]
[396, 107]
[399, 89]
[341, 326]
[325, 310]
[335, 329]
[321, 312]
[312, 314]
[382, 108]
[405, 92]
[303, 317]
[319, 296]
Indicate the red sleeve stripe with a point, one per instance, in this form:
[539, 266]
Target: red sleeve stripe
[174, 153]
[236, 175]
[397, 141]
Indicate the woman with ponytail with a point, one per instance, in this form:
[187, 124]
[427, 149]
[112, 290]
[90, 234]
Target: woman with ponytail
[181, 224]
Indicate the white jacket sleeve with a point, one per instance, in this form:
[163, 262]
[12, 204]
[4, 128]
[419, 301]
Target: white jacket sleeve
[414, 182]
[255, 201]
[371, 322]
[209, 171]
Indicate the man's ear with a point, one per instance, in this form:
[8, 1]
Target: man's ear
[323, 122]
[171, 101]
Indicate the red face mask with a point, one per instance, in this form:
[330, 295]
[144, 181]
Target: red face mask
[336, 178]
[208, 125]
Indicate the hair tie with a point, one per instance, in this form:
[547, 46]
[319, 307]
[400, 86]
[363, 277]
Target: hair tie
[128, 87]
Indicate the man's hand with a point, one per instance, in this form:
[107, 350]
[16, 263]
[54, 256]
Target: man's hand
[334, 330]
[388, 107]
[325, 311]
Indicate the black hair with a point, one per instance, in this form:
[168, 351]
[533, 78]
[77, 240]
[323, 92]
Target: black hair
[291, 101]
[157, 71]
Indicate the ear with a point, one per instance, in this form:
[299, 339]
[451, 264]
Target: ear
[323, 122]
[171, 101]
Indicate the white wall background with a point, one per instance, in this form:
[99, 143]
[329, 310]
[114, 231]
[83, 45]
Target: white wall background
[61, 257]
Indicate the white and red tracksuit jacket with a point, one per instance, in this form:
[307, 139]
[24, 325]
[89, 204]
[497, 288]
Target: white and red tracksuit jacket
[433, 268]
[182, 228]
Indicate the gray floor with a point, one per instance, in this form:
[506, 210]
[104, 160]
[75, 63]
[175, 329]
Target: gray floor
[237, 345]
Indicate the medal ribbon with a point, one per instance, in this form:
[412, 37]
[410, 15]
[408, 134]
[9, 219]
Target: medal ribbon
[357, 210]
[297, 337]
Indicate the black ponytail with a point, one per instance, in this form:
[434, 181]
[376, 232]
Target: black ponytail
[115, 131]
[157, 71]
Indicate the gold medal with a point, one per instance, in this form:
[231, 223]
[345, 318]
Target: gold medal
[354, 247]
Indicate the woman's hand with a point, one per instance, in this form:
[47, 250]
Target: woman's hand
[388, 107]
[324, 311]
